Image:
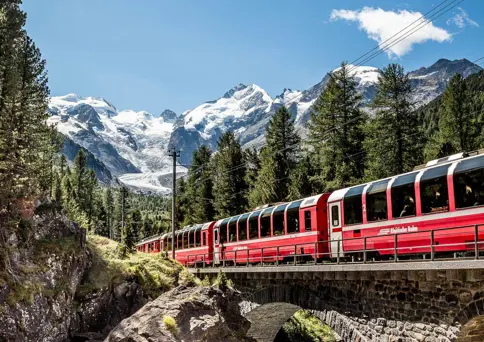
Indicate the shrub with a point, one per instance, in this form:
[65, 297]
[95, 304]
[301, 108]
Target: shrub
[170, 325]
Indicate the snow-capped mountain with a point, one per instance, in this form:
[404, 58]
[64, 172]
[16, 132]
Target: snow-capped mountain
[133, 145]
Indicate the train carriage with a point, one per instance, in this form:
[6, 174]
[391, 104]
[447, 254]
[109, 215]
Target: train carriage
[424, 207]
[270, 234]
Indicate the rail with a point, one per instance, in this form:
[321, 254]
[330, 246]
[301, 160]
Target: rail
[424, 245]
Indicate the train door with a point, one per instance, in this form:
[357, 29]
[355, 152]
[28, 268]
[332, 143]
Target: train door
[336, 233]
[216, 245]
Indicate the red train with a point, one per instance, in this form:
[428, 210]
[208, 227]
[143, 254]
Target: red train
[440, 204]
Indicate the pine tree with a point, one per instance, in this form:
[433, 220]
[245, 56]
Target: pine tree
[336, 132]
[253, 165]
[92, 198]
[394, 138]
[229, 184]
[182, 202]
[199, 188]
[457, 128]
[80, 178]
[108, 204]
[278, 158]
[301, 179]
[24, 133]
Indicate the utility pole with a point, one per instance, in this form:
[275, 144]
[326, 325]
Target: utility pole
[174, 154]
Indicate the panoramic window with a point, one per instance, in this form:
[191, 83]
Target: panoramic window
[168, 244]
[223, 231]
[265, 223]
[433, 190]
[179, 241]
[278, 220]
[233, 229]
[242, 226]
[292, 213]
[307, 220]
[254, 225]
[185, 240]
[403, 196]
[353, 213]
[376, 201]
[469, 183]
[197, 237]
[335, 215]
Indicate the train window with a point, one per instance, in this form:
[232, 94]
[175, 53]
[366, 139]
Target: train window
[233, 230]
[376, 201]
[292, 214]
[265, 223]
[469, 189]
[223, 231]
[185, 240]
[254, 225]
[242, 226]
[215, 232]
[202, 236]
[179, 242]
[168, 244]
[198, 232]
[403, 196]
[307, 220]
[433, 190]
[335, 215]
[353, 212]
[278, 220]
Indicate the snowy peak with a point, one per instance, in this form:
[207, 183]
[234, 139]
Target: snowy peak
[168, 115]
[235, 89]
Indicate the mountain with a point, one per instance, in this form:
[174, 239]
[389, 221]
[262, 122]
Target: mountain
[133, 145]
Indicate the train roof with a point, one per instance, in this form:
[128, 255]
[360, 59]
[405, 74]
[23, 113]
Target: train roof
[304, 203]
[339, 194]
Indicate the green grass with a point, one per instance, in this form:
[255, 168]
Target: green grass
[155, 273]
[306, 327]
[170, 325]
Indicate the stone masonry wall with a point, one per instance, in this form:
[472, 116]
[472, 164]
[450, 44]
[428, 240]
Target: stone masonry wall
[377, 306]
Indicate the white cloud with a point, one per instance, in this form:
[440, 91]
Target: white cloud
[462, 19]
[380, 25]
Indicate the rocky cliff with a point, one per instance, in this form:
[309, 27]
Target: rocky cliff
[186, 314]
[56, 285]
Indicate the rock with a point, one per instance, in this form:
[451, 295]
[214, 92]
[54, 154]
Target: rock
[187, 314]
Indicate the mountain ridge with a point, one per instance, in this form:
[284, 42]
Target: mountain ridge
[133, 144]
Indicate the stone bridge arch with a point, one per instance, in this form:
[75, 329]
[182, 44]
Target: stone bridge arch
[268, 308]
[472, 320]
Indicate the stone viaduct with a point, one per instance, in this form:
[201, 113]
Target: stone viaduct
[432, 301]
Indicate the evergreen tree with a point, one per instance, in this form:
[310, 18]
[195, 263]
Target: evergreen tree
[278, 158]
[182, 202]
[457, 128]
[253, 165]
[301, 179]
[336, 132]
[394, 138]
[108, 204]
[229, 184]
[80, 178]
[24, 133]
[199, 188]
[92, 198]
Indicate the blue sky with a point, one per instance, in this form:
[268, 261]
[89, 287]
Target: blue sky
[156, 54]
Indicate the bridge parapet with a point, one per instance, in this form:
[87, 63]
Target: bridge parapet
[413, 301]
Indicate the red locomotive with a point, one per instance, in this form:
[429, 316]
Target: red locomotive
[436, 208]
